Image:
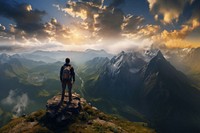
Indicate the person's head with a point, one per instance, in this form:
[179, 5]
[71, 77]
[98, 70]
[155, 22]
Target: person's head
[67, 60]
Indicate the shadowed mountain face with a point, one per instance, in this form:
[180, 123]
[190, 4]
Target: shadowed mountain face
[122, 70]
[167, 98]
[154, 89]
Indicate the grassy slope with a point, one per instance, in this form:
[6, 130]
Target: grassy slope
[89, 120]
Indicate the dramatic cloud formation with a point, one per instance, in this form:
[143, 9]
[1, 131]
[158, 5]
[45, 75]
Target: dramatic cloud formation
[195, 18]
[104, 22]
[131, 23]
[167, 10]
[28, 25]
[19, 103]
[56, 31]
[95, 23]
[28, 21]
[148, 31]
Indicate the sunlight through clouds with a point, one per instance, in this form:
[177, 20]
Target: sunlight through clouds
[94, 23]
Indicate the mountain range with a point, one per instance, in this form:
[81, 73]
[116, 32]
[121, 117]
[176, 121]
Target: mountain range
[77, 57]
[140, 86]
[150, 90]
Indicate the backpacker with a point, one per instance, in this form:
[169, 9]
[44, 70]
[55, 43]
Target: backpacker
[66, 74]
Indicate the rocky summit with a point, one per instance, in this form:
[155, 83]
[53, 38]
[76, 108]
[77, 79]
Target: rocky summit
[75, 117]
[64, 111]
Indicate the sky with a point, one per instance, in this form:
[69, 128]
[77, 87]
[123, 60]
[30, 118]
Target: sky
[113, 25]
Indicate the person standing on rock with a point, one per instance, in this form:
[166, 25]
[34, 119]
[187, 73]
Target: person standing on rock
[67, 78]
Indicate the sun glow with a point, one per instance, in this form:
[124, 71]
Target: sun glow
[78, 37]
[28, 8]
[179, 43]
[82, 13]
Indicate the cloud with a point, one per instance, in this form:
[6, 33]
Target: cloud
[28, 22]
[194, 21]
[108, 23]
[100, 3]
[26, 19]
[167, 11]
[185, 13]
[127, 45]
[22, 102]
[96, 22]
[174, 34]
[149, 30]
[10, 98]
[180, 43]
[94, 2]
[170, 11]
[105, 22]
[132, 23]
[172, 38]
[4, 36]
[56, 31]
[18, 102]
[29, 26]
[2, 28]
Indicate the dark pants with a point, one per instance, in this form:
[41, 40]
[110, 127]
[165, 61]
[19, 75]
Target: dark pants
[64, 84]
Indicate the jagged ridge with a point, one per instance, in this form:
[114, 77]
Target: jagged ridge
[157, 90]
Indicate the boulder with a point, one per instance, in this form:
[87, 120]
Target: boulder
[63, 111]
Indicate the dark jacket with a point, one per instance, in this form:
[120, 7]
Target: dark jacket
[71, 70]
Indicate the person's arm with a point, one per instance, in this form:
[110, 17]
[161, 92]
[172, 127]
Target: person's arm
[61, 71]
[73, 74]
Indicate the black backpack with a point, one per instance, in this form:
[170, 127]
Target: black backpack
[66, 74]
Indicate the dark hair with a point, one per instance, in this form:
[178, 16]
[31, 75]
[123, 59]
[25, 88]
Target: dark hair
[67, 60]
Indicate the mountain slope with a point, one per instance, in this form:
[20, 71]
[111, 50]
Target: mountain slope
[18, 82]
[192, 60]
[193, 65]
[88, 120]
[91, 69]
[155, 91]
[111, 90]
[167, 97]
[11, 67]
[119, 73]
